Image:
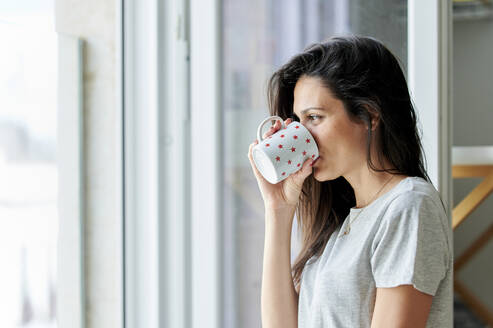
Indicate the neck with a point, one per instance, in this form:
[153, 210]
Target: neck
[370, 185]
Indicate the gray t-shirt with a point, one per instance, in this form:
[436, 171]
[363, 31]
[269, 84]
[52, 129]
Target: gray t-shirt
[403, 237]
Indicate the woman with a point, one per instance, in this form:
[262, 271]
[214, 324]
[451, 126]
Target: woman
[376, 241]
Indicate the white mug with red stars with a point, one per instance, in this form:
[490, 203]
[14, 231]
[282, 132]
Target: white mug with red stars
[284, 152]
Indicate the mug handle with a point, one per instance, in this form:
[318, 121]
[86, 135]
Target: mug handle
[268, 119]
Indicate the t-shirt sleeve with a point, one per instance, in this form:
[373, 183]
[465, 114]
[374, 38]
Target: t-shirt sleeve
[410, 244]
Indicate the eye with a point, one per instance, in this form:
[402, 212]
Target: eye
[311, 116]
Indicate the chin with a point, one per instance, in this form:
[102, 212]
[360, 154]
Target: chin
[321, 175]
[318, 175]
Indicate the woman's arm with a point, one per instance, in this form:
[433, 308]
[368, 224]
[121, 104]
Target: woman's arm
[401, 307]
[279, 300]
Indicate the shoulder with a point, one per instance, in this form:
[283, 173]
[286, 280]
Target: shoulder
[413, 231]
[414, 208]
[416, 195]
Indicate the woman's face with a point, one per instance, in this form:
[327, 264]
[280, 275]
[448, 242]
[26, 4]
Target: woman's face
[341, 142]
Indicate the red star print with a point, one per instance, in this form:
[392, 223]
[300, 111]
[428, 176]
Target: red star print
[282, 135]
[283, 173]
[280, 146]
[289, 162]
[297, 126]
[267, 145]
[278, 158]
[298, 165]
[296, 137]
[304, 153]
[293, 149]
[307, 140]
[313, 155]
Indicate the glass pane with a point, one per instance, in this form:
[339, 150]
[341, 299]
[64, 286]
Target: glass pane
[28, 169]
[258, 37]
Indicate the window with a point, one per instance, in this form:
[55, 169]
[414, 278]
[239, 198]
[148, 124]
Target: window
[28, 165]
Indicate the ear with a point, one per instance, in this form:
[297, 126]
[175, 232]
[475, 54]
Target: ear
[375, 118]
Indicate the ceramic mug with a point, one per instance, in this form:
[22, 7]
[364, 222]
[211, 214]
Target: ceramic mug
[284, 152]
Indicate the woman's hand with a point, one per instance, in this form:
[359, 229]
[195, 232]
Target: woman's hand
[287, 192]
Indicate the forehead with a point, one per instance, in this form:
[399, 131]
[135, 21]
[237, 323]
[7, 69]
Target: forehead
[310, 92]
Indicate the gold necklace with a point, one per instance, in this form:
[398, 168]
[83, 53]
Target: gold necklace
[348, 228]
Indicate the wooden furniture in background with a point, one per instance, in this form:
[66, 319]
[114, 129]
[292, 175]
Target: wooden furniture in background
[467, 162]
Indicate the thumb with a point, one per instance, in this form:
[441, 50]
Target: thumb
[304, 172]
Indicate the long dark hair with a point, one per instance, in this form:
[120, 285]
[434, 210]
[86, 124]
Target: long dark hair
[365, 75]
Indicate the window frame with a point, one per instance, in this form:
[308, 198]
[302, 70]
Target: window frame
[156, 130]
[71, 283]
[430, 84]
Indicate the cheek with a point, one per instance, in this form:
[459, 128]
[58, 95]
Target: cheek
[328, 136]
[352, 135]
[335, 132]
[322, 140]
[340, 141]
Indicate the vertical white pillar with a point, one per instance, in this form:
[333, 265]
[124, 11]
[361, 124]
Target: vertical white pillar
[206, 161]
[71, 309]
[140, 73]
[429, 71]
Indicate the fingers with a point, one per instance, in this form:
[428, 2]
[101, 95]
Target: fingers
[305, 171]
[257, 173]
[269, 133]
[307, 168]
[277, 126]
[273, 129]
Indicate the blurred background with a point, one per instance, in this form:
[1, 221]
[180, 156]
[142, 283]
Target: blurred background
[80, 247]
[28, 164]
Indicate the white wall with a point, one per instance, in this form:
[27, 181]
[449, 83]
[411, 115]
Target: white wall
[473, 121]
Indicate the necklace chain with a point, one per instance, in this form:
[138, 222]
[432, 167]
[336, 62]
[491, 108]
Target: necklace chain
[348, 228]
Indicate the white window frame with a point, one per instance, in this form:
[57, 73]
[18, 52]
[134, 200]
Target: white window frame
[430, 84]
[140, 164]
[156, 164]
[71, 287]
[207, 126]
